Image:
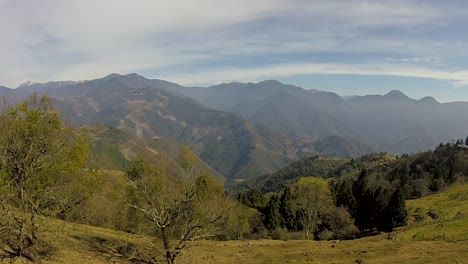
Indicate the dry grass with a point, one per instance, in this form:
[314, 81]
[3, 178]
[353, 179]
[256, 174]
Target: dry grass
[367, 250]
[73, 243]
[85, 244]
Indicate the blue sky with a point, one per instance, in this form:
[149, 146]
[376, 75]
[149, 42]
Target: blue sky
[348, 47]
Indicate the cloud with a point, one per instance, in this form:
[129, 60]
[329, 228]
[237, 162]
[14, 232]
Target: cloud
[66, 39]
[458, 78]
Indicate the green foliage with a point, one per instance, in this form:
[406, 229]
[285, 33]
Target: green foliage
[37, 153]
[272, 213]
[181, 207]
[395, 213]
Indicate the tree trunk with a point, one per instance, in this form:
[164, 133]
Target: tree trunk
[170, 255]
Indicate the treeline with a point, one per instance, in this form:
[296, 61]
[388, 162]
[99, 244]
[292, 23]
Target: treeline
[368, 194]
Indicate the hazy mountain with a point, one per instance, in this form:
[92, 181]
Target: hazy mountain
[392, 122]
[227, 95]
[112, 148]
[398, 124]
[341, 147]
[36, 87]
[229, 143]
[245, 129]
[4, 91]
[297, 117]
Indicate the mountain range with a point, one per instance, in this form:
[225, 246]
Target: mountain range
[244, 130]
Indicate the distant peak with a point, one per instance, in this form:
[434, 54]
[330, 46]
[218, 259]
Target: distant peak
[428, 100]
[135, 76]
[112, 76]
[270, 82]
[396, 94]
[27, 84]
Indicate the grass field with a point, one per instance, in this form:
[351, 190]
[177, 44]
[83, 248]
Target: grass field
[451, 209]
[73, 243]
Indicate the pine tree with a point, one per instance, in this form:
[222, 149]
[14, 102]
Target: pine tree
[362, 196]
[288, 210]
[272, 213]
[345, 198]
[395, 213]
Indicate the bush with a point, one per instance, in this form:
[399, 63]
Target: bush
[325, 235]
[283, 234]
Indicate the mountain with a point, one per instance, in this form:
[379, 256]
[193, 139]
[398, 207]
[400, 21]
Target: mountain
[36, 87]
[242, 129]
[295, 116]
[227, 95]
[341, 147]
[229, 143]
[316, 166]
[392, 122]
[113, 148]
[5, 92]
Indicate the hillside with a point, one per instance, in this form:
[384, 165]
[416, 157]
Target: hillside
[341, 147]
[438, 216]
[75, 243]
[392, 122]
[422, 173]
[115, 149]
[244, 130]
[230, 144]
[318, 166]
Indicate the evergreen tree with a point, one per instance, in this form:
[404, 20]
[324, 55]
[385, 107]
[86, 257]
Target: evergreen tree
[395, 213]
[288, 210]
[344, 197]
[272, 213]
[363, 197]
[466, 141]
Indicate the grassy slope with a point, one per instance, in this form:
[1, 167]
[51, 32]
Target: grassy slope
[451, 206]
[84, 244]
[75, 243]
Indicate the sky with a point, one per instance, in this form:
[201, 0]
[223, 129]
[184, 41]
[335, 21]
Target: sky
[351, 47]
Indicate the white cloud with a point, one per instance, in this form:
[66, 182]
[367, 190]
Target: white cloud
[458, 78]
[65, 39]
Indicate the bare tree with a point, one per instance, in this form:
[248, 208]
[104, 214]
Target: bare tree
[182, 207]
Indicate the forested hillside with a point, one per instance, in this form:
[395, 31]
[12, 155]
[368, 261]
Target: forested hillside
[371, 190]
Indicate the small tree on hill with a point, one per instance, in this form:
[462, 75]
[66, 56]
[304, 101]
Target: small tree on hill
[183, 208]
[312, 197]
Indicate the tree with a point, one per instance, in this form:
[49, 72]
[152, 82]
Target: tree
[182, 207]
[37, 151]
[363, 198]
[288, 210]
[395, 213]
[272, 213]
[312, 196]
[466, 141]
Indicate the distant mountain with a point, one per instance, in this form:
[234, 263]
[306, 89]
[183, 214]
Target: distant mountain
[229, 143]
[335, 146]
[112, 148]
[4, 91]
[227, 95]
[246, 129]
[36, 87]
[392, 122]
[295, 116]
